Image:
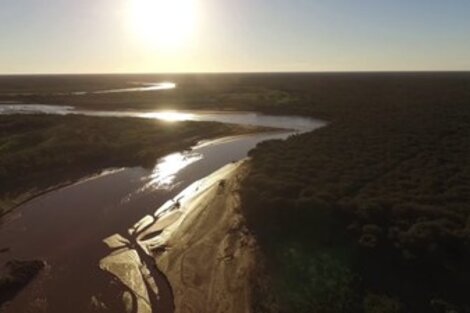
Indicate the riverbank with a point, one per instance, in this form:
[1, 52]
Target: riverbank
[210, 255]
[7, 205]
[201, 245]
[56, 151]
[362, 212]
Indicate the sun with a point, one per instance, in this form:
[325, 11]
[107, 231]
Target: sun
[164, 23]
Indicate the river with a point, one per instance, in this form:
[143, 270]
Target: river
[66, 227]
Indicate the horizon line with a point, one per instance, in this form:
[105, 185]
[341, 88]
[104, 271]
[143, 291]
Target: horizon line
[237, 72]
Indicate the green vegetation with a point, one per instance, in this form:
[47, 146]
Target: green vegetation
[38, 152]
[324, 95]
[221, 92]
[371, 213]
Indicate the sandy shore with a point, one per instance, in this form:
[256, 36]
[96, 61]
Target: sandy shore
[199, 241]
[210, 254]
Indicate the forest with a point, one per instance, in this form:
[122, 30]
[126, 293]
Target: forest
[369, 214]
[372, 212]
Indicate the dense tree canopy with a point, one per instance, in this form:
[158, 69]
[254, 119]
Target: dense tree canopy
[379, 200]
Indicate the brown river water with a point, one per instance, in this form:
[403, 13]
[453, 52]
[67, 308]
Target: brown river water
[66, 227]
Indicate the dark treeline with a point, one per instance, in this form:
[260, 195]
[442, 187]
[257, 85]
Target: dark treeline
[321, 94]
[372, 212]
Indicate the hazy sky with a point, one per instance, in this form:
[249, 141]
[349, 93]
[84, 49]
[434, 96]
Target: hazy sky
[83, 36]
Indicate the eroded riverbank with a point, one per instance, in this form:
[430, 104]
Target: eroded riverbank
[199, 241]
[66, 227]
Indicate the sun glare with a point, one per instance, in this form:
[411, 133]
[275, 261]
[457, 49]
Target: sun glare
[165, 171]
[168, 116]
[164, 23]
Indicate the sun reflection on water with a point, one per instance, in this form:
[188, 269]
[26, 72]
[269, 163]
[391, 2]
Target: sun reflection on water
[163, 86]
[169, 116]
[164, 173]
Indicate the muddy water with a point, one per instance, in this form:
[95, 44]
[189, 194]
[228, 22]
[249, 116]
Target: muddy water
[66, 227]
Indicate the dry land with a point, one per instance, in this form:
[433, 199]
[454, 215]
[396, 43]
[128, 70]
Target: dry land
[370, 214]
[202, 245]
[210, 253]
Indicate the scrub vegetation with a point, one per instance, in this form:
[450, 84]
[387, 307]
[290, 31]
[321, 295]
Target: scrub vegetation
[369, 214]
[38, 152]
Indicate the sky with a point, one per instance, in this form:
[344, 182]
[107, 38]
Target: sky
[124, 36]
